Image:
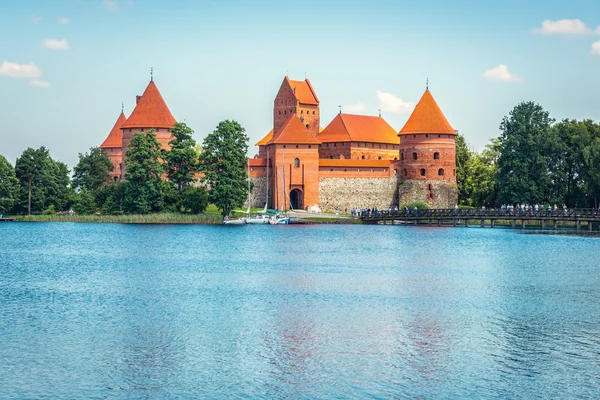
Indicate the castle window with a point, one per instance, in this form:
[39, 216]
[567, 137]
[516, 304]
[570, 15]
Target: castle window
[441, 172]
[116, 179]
[306, 126]
[379, 158]
[395, 172]
[414, 135]
[309, 146]
[331, 169]
[296, 162]
[285, 112]
[414, 156]
[313, 113]
[296, 146]
[402, 156]
[439, 135]
[395, 158]
[327, 144]
[331, 157]
[363, 157]
[279, 112]
[335, 145]
[436, 156]
[426, 135]
[301, 111]
[422, 171]
[284, 146]
[345, 169]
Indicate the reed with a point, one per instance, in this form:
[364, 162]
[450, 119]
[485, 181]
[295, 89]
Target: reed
[158, 218]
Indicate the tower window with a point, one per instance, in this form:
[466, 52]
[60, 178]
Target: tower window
[395, 158]
[301, 111]
[414, 156]
[422, 171]
[296, 162]
[402, 156]
[296, 146]
[309, 146]
[436, 156]
[441, 172]
[306, 126]
[284, 146]
[285, 112]
[426, 135]
[363, 157]
[379, 158]
[313, 113]
[331, 157]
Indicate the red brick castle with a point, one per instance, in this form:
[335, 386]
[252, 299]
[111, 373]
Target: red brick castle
[356, 161]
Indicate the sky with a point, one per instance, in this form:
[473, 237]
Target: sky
[67, 65]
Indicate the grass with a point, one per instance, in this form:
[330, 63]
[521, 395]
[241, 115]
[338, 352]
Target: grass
[159, 218]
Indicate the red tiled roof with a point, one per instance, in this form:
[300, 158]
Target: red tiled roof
[427, 117]
[266, 139]
[303, 91]
[358, 128]
[293, 131]
[257, 162]
[336, 162]
[151, 111]
[115, 137]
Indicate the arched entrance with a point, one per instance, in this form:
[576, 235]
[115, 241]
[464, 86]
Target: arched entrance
[297, 199]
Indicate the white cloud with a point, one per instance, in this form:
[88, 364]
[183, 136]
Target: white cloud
[15, 70]
[501, 73]
[392, 104]
[36, 19]
[354, 108]
[55, 44]
[112, 4]
[570, 27]
[39, 83]
[595, 49]
[63, 20]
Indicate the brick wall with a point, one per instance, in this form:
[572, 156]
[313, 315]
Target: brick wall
[435, 157]
[285, 104]
[115, 156]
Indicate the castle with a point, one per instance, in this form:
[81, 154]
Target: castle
[356, 161]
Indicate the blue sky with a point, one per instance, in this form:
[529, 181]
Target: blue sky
[216, 60]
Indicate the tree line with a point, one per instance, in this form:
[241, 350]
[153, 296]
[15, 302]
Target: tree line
[535, 160]
[156, 179]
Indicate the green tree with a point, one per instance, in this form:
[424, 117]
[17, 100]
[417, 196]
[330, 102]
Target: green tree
[44, 181]
[223, 162]
[523, 174]
[463, 162]
[9, 186]
[92, 171]
[195, 199]
[84, 202]
[143, 169]
[182, 159]
[483, 168]
[109, 198]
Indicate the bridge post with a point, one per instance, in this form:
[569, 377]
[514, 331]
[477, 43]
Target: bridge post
[429, 223]
[439, 222]
[590, 226]
[555, 227]
[578, 224]
[466, 222]
[453, 221]
[513, 223]
[543, 224]
[482, 223]
[522, 223]
[492, 223]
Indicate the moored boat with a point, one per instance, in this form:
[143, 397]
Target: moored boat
[279, 220]
[235, 221]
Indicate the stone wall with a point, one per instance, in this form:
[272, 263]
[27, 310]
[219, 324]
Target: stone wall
[437, 194]
[357, 192]
[258, 193]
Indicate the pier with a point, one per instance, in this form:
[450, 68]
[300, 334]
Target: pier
[573, 219]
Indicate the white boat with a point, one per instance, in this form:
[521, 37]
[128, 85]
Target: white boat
[279, 220]
[259, 219]
[235, 221]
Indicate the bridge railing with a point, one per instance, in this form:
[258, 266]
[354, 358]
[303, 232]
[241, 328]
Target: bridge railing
[445, 213]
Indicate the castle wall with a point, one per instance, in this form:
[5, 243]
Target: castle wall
[115, 155]
[355, 192]
[259, 192]
[436, 193]
[425, 147]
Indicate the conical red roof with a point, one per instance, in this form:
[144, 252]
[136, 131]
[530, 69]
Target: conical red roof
[114, 138]
[427, 118]
[151, 111]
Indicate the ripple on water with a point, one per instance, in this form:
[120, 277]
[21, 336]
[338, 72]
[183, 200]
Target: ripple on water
[159, 311]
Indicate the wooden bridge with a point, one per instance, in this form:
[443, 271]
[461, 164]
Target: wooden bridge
[544, 219]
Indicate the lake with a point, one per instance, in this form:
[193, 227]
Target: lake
[313, 311]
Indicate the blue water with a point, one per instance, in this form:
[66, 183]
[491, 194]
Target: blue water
[158, 311]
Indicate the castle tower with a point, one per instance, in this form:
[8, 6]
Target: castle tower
[296, 98]
[427, 163]
[150, 112]
[112, 146]
[294, 157]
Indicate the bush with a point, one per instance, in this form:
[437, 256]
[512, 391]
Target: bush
[195, 199]
[420, 205]
[50, 210]
[171, 197]
[464, 207]
[84, 202]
